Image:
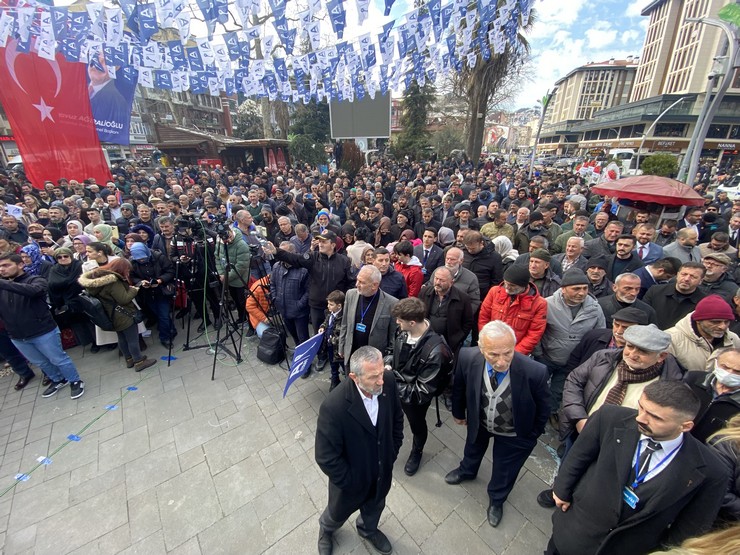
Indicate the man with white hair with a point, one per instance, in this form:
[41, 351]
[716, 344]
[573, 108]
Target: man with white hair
[367, 315]
[572, 257]
[498, 392]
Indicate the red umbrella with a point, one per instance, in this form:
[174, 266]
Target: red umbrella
[651, 188]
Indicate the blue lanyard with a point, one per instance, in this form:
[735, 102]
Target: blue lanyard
[364, 311]
[640, 479]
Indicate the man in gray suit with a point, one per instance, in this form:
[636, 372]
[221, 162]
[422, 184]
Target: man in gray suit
[684, 247]
[367, 315]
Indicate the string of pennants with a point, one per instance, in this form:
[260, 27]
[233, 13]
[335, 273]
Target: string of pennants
[423, 44]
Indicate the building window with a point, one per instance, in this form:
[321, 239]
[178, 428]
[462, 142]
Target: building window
[670, 130]
[718, 131]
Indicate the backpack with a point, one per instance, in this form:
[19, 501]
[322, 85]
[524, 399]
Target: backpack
[271, 349]
[94, 309]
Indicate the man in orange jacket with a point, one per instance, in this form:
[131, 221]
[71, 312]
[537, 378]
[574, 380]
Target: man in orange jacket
[516, 302]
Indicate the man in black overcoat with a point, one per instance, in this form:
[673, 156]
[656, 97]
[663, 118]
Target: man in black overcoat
[613, 497]
[358, 436]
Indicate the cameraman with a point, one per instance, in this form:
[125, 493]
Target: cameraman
[152, 272]
[231, 243]
[254, 236]
[193, 251]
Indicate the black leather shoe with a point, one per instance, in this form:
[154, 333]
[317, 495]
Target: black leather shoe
[495, 512]
[544, 499]
[46, 381]
[326, 547]
[455, 477]
[23, 382]
[380, 542]
[412, 465]
[334, 384]
[306, 374]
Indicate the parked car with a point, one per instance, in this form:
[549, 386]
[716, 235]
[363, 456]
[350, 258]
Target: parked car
[731, 187]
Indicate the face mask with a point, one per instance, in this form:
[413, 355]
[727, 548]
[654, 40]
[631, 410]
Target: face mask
[728, 379]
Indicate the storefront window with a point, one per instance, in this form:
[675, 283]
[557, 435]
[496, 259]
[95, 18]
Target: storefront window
[718, 131]
[670, 130]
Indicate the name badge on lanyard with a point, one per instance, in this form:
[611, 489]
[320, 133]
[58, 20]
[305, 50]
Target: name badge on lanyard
[360, 327]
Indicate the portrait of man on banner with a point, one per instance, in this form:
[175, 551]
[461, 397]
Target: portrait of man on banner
[110, 100]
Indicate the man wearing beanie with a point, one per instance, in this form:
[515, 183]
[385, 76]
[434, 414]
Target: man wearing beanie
[124, 223]
[598, 284]
[516, 302]
[697, 336]
[613, 377]
[534, 228]
[546, 281]
[571, 312]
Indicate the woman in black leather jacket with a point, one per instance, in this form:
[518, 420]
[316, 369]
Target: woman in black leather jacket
[422, 363]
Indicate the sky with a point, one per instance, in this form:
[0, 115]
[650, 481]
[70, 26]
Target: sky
[571, 33]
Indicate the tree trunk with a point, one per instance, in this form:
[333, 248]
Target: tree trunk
[266, 110]
[476, 125]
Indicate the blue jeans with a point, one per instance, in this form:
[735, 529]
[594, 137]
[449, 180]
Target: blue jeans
[161, 309]
[261, 327]
[46, 352]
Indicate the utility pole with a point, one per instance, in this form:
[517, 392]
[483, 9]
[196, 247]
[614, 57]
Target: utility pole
[690, 163]
[545, 103]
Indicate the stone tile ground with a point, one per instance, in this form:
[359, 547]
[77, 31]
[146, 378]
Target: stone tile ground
[185, 465]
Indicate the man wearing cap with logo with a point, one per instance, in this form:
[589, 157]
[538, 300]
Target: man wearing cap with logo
[571, 312]
[697, 337]
[717, 280]
[541, 274]
[718, 391]
[516, 302]
[613, 377]
[328, 269]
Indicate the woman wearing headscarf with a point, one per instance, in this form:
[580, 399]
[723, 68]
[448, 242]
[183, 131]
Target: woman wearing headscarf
[152, 271]
[145, 232]
[51, 240]
[445, 237]
[128, 242]
[75, 228]
[64, 292]
[110, 285]
[508, 253]
[79, 246]
[34, 263]
[383, 235]
[104, 234]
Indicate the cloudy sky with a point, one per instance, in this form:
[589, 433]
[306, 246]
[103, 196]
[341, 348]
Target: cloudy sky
[570, 33]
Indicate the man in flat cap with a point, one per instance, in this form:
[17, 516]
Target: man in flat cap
[534, 228]
[613, 377]
[571, 312]
[718, 278]
[610, 338]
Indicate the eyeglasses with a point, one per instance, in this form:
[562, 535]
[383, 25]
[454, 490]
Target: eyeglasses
[63, 256]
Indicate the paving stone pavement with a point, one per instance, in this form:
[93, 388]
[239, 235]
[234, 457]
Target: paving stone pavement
[185, 465]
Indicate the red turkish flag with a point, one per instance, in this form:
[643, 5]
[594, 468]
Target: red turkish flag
[48, 107]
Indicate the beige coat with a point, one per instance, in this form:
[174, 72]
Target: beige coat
[693, 351]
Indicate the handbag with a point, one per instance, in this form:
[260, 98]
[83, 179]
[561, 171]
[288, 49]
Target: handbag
[271, 349]
[94, 309]
[137, 316]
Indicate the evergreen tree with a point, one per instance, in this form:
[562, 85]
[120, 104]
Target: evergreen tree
[312, 120]
[414, 136]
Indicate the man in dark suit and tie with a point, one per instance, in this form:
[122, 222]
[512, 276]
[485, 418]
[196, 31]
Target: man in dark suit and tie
[358, 436]
[499, 393]
[637, 480]
[429, 253]
[734, 231]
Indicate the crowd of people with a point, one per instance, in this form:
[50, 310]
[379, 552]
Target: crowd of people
[521, 303]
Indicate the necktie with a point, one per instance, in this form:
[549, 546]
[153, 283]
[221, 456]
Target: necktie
[331, 324]
[644, 462]
[641, 252]
[426, 255]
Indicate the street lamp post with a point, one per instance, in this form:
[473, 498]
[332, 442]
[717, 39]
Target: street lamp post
[650, 130]
[690, 163]
[545, 103]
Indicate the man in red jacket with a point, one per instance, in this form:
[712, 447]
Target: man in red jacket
[409, 266]
[516, 302]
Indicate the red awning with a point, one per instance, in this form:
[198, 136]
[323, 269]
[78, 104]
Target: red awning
[651, 188]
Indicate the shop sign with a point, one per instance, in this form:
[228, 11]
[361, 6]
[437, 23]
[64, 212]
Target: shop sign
[7, 138]
[727, 146]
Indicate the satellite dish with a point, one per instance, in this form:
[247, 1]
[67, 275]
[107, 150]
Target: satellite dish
[361, 144]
